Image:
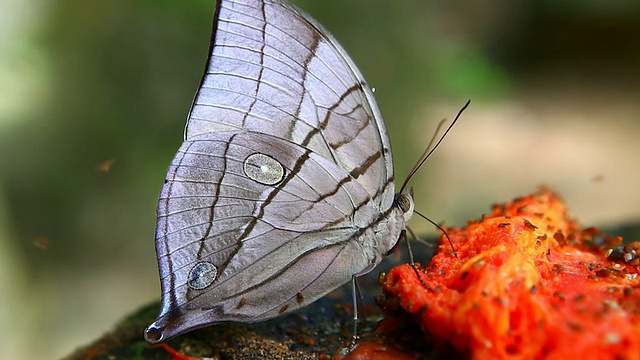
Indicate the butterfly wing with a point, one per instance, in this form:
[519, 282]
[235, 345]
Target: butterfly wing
[243, 246]
[275, 70]
[283, 187]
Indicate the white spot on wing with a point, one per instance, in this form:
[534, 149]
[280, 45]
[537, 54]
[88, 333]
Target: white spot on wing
[263, 169]
[202, 275]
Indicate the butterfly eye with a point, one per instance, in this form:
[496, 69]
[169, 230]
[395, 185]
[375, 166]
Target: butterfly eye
[403, 202]
[202, 275]
[263, 169]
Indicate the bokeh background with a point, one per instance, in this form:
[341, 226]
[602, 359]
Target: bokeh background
[94, 96]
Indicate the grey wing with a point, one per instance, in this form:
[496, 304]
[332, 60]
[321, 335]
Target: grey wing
[275, 70]
[265, 242]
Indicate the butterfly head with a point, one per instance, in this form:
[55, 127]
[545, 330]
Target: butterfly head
[403, 207]
[404, 202]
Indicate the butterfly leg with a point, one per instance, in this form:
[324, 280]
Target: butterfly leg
[411, 261]
[357, 299]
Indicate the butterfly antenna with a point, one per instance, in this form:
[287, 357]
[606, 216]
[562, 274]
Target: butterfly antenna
[430, 149]
[424, 154]
[441, 229]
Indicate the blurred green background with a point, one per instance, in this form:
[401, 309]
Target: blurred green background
[94, 97]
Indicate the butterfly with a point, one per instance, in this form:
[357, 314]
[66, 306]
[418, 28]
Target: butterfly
[283, 188]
